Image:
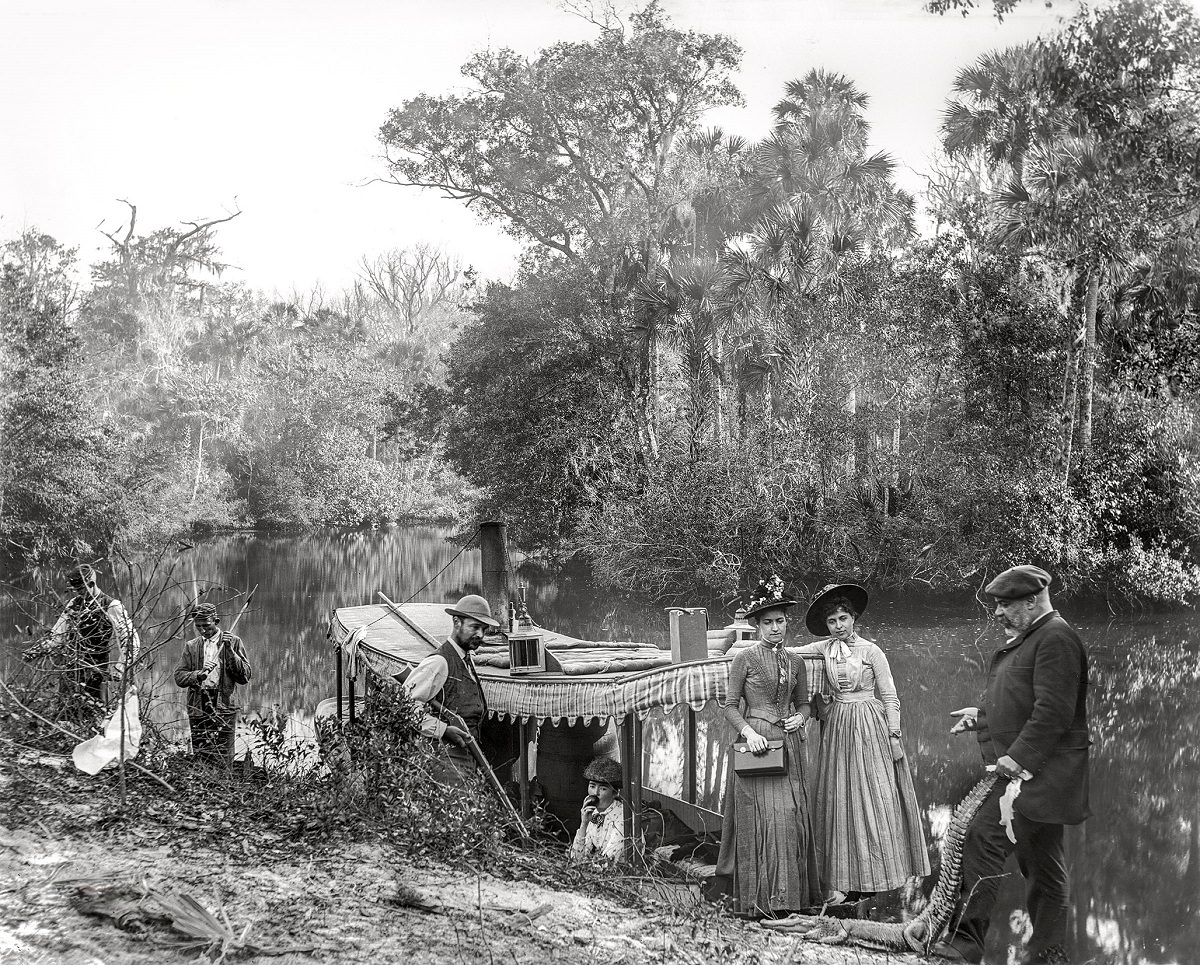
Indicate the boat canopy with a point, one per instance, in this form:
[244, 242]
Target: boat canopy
[597, 680]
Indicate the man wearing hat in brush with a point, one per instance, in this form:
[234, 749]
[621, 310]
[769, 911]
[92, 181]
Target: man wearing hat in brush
[94, 633]
[214, 663]
[1033, 726]
[449, 676]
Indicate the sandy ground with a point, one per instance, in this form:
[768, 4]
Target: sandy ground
[78, 885]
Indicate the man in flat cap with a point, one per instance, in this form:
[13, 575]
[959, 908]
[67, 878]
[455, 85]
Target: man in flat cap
[214, 663]
[449, 676]
[1032, 725]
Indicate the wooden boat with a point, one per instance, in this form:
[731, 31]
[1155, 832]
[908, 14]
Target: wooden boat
[562, 714]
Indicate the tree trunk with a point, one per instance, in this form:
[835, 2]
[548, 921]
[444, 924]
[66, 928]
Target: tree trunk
[852, 411]
[1089, 362]
[199, 461]
[1070, 408]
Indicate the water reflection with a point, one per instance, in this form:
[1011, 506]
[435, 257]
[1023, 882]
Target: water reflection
[1135, 864]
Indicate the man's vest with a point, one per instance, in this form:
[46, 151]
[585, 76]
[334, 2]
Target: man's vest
[461, 692]
[94, 628]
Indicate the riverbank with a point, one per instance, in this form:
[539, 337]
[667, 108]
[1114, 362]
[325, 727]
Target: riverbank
[87, 883]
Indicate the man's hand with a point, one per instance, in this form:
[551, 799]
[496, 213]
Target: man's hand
[968, 719]
[208, 668]
[1007, 767]
[456, 736]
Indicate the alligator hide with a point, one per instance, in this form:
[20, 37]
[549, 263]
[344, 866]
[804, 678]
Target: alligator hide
[922, 931]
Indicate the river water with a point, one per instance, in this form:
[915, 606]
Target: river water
[1135, 864]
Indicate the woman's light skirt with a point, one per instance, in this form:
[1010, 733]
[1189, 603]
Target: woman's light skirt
[866, 817]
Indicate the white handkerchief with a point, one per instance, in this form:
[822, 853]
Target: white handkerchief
[1007, 799]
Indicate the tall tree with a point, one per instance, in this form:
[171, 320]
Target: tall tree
[570, 149]
[1122, 180]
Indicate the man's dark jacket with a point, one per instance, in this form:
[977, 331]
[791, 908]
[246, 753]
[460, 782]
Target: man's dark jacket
[1035, 711]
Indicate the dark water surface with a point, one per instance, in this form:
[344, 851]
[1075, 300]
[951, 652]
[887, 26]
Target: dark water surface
[1135, 864]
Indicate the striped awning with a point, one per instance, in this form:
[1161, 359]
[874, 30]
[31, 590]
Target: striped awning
[388, 646]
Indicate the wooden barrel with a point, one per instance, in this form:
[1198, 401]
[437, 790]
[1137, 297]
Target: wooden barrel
[563, 752]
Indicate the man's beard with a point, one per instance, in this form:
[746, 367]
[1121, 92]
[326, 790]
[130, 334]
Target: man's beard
[470, 643]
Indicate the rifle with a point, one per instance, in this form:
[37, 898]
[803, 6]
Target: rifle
[476, 752]
[472, 745]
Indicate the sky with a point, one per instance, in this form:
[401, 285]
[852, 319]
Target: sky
[195, 108]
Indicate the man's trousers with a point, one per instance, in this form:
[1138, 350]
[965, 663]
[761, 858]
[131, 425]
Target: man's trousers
[1042, 860]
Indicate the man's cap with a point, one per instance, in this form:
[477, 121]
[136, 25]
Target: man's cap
[473, 607]
[204, 610]
[1017, 582]
[81, 575]
[604, 770]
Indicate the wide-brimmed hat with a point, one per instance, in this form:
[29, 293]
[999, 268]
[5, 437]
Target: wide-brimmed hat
[473, 607]
[604, 770]
[814, 618]
[768, 595]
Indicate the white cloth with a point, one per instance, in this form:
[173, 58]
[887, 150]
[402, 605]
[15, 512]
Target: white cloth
[601, 840]
[426, 682]
[1007, 801]
[92, 755]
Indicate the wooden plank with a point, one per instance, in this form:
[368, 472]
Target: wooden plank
[635, 790]
[689, 756]
[523, 736]
[628, 768]
[699, 819]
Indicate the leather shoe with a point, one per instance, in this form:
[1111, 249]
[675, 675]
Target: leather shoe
[950, 953]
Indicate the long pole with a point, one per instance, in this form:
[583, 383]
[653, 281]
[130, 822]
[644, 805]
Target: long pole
[472, 744]
[249, 597]
[489, 775]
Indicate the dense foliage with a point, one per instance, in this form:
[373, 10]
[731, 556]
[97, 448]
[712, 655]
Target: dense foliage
[764, 368]
[720, 357]
[158, 399]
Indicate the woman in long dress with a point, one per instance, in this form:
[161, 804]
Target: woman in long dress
[767, 860]
[867, 821]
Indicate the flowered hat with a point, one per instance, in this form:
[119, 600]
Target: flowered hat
[768, 595]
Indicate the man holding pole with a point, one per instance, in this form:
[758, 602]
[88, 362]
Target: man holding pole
[448, 677]
[214, 663]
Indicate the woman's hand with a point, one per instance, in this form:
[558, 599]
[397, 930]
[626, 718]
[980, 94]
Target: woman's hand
[755, 742]
[897, 747]
[586, 812]
[795, 724]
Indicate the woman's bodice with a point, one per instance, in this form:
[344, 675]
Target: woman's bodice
[769, 681]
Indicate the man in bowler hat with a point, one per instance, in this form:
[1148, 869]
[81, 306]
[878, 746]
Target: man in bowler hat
[1032, 725]
[449, 676]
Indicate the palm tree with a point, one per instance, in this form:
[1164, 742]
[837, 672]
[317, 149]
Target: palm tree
[999, 110]
[823, 206]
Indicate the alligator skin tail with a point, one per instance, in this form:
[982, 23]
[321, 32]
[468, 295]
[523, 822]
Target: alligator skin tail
[927, 927]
